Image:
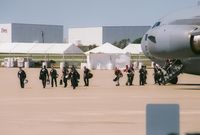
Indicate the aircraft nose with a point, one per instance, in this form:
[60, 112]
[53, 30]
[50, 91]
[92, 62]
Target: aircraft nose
[146, 45]
[169, 41]
[152, 47]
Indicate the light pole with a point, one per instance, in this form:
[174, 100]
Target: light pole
[42, 34]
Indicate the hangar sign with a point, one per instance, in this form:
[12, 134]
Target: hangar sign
[3, 30]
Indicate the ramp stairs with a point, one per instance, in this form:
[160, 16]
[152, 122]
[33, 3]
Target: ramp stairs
[173, 70]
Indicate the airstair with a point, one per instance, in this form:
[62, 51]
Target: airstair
[173, 70]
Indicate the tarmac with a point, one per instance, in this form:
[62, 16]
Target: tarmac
[100, 109]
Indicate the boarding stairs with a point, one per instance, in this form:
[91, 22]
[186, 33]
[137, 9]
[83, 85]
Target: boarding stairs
[172, 71]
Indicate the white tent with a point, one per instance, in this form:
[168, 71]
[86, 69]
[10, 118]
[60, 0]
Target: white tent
[21, 48]
[133, 49]
[107, 56]
[106, 48]
[38, 48]
[6, 47]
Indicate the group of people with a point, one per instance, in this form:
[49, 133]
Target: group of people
[74, 76]
[130, 72]
[45, 76]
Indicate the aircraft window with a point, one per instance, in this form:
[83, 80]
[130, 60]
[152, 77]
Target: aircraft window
[156, 24]
[152, 39]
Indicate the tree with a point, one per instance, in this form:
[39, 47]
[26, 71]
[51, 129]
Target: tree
[122, 44]
[87, 48]
[137, 41]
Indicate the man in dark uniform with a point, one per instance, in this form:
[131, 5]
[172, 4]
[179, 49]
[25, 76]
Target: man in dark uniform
[44, 76]
[22, 76]
[75, 76]
[65, 75]
[145, 74]
[54, 75]
[155, 68]
[142, 75]
[86, 76]
[132, 72]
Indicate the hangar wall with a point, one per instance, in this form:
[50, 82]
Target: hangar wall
[31, 33]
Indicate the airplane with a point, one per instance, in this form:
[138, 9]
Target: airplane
[175, 37]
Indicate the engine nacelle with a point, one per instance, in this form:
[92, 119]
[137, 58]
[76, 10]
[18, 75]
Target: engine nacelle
[195, 43]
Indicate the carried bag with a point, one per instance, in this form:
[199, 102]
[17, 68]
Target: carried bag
[115, 79]
[48, 81]
[90, 75]
[25, 81]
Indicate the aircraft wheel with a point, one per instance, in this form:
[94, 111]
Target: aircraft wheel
[174, 80]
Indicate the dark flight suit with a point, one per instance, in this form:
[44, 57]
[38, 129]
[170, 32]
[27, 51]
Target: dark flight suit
[65, 76]
[44, 75]
[145, 75]
[156, 76]
[142, 76]
[22, 76]
[54, 75]
[74, 75]
[131, 75]
[86, 76]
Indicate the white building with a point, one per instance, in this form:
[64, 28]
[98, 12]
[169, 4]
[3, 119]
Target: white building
[31, 33]
[101, 35]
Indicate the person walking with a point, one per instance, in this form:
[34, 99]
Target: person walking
[86, 73]
[44, 76]
[127, 71]
[156, 74]
[22, 76]
[75, 76]
[118, 75]
[132, 73]
[142, 76]
[65, 75]
[54, 76]
[145, 74]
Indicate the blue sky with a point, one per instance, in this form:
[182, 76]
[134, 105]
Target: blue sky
[83, 13]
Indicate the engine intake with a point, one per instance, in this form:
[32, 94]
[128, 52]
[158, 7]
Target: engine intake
[195, 44]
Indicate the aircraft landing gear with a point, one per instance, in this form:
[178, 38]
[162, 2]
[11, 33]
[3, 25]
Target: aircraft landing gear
[174, 80]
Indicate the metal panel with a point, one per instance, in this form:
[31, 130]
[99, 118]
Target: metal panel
[37, 33]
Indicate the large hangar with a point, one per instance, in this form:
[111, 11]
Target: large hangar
[100, 35]
[31, 33]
